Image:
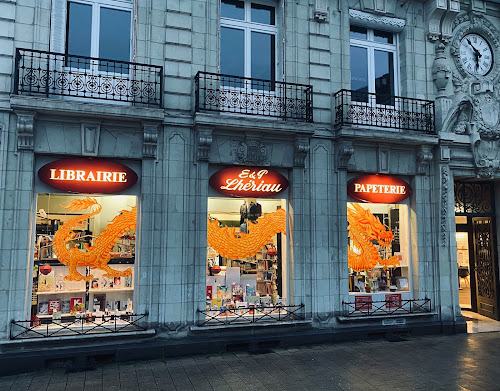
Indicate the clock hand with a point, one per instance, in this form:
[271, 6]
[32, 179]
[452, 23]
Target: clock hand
[477, 52]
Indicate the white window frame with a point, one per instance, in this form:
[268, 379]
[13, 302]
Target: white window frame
[248, 27]
[95, 28]
[371, 45]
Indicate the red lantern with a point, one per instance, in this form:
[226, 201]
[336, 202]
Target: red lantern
[45, 269]
[271, 252]
[215, 269]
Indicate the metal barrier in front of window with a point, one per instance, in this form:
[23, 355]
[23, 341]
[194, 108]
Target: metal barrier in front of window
[41, 73]
[362, 108]
[248, 96]
[252, 314]
[387, 307]
[77, 325]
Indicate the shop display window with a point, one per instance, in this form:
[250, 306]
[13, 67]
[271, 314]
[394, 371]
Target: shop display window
[378, 253]
[84, 256]
[246, 255]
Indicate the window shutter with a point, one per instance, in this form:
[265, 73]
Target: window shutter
[58, 26]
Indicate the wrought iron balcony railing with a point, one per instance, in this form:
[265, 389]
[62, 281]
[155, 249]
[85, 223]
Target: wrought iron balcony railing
[51, 74]
[372, 110]
[387, 307]
[248, 96]
[76, 325]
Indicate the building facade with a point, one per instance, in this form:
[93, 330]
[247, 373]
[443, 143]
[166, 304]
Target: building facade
[214, 172]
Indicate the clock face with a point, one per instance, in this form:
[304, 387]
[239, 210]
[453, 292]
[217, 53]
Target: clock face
[476, 55]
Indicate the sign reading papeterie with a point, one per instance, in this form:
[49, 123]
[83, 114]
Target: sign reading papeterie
[87, 176]
[252, 182]
[381, 189]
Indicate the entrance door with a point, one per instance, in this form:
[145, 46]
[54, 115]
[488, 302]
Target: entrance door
[485, 267]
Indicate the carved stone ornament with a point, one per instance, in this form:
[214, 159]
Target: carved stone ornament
[150, 140]
[250, 151]
[301, 150]
[203, 143]
[25, 129]
[321, 10]
[91, 132]
[440, 14]
[424, 158]
[345, 150]
[374, 21]
[445, 179]
[475, 24]
[441, 71]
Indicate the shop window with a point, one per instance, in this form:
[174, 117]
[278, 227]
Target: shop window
[378, 253]
[373, 65]
[84, 257]
[248, 42]
[246, 256]
[100, 29]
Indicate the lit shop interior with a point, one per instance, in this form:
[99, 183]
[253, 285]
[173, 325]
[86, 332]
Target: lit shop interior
[378, 253]
[246, 253]
[84, 256]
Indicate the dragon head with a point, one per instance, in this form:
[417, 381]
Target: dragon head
[365, 221]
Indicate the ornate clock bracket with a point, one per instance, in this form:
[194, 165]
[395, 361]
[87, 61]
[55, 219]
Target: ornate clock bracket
[440, 14]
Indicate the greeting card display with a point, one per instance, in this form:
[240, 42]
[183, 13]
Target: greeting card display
[54, 306]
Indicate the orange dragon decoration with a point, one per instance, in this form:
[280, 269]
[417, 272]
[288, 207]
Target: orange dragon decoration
[235, 245]
[363, 228]
[98, 254]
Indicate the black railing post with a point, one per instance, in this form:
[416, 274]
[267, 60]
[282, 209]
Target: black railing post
[16, 73]
[197, 92]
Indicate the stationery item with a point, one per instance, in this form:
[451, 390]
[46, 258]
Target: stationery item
[54, 306]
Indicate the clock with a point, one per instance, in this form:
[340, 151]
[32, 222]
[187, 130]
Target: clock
[476, 56]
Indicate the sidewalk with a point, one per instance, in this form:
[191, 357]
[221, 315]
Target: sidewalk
[456, 362]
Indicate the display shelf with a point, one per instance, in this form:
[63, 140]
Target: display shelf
[61, 292]
[128, 289]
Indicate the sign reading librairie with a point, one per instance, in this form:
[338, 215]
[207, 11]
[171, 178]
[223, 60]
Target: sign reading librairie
[252, 182]
[381, 189]
[87, 176]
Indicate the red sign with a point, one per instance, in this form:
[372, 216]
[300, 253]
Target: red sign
[87, 176]
[363, 302]
[393, 300]
[252, 182]
[381, 189]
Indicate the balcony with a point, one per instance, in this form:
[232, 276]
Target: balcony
[40, 73]
[363, 109]
[256, 97]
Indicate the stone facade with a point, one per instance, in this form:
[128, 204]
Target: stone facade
[177, 148]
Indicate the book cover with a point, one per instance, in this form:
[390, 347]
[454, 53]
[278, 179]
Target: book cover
[209, 292]
[127, 282]
[95, 283]
[117, 282]
[56, 317]
[250, 290]
[76, 304]
[237, 292]
[216, 302]
[221, 291]
[54, 306]
[65, 307]
[43, 308]
[253, 300]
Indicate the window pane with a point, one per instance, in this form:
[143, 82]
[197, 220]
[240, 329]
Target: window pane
[232, 54]
[263, 14]
[359, 74]
[383, 36]
[263, 64]
[384, 77]
[358, 32]
[233, 9]
[79, 33]
[114, 39]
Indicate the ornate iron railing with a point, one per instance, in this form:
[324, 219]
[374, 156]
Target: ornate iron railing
[382, 111]
[250, 314]
[243, 95]
[474, 198]
[51, 74]
[73, 325]
[387, 307]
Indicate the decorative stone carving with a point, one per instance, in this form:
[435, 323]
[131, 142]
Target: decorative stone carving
[150, 140]
[203, 143]
[379, 6]
[424, 158]
[440, 15]
[250, 151]
[25, 129]
[301, 150]
[441, 71]
[321, 10]
[478, 6]
[90, 132]
[374, 21]
[345, 150]
[445, 179]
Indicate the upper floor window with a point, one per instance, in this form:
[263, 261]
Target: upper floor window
[373, 64]
[99, 28]
[248, 39]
